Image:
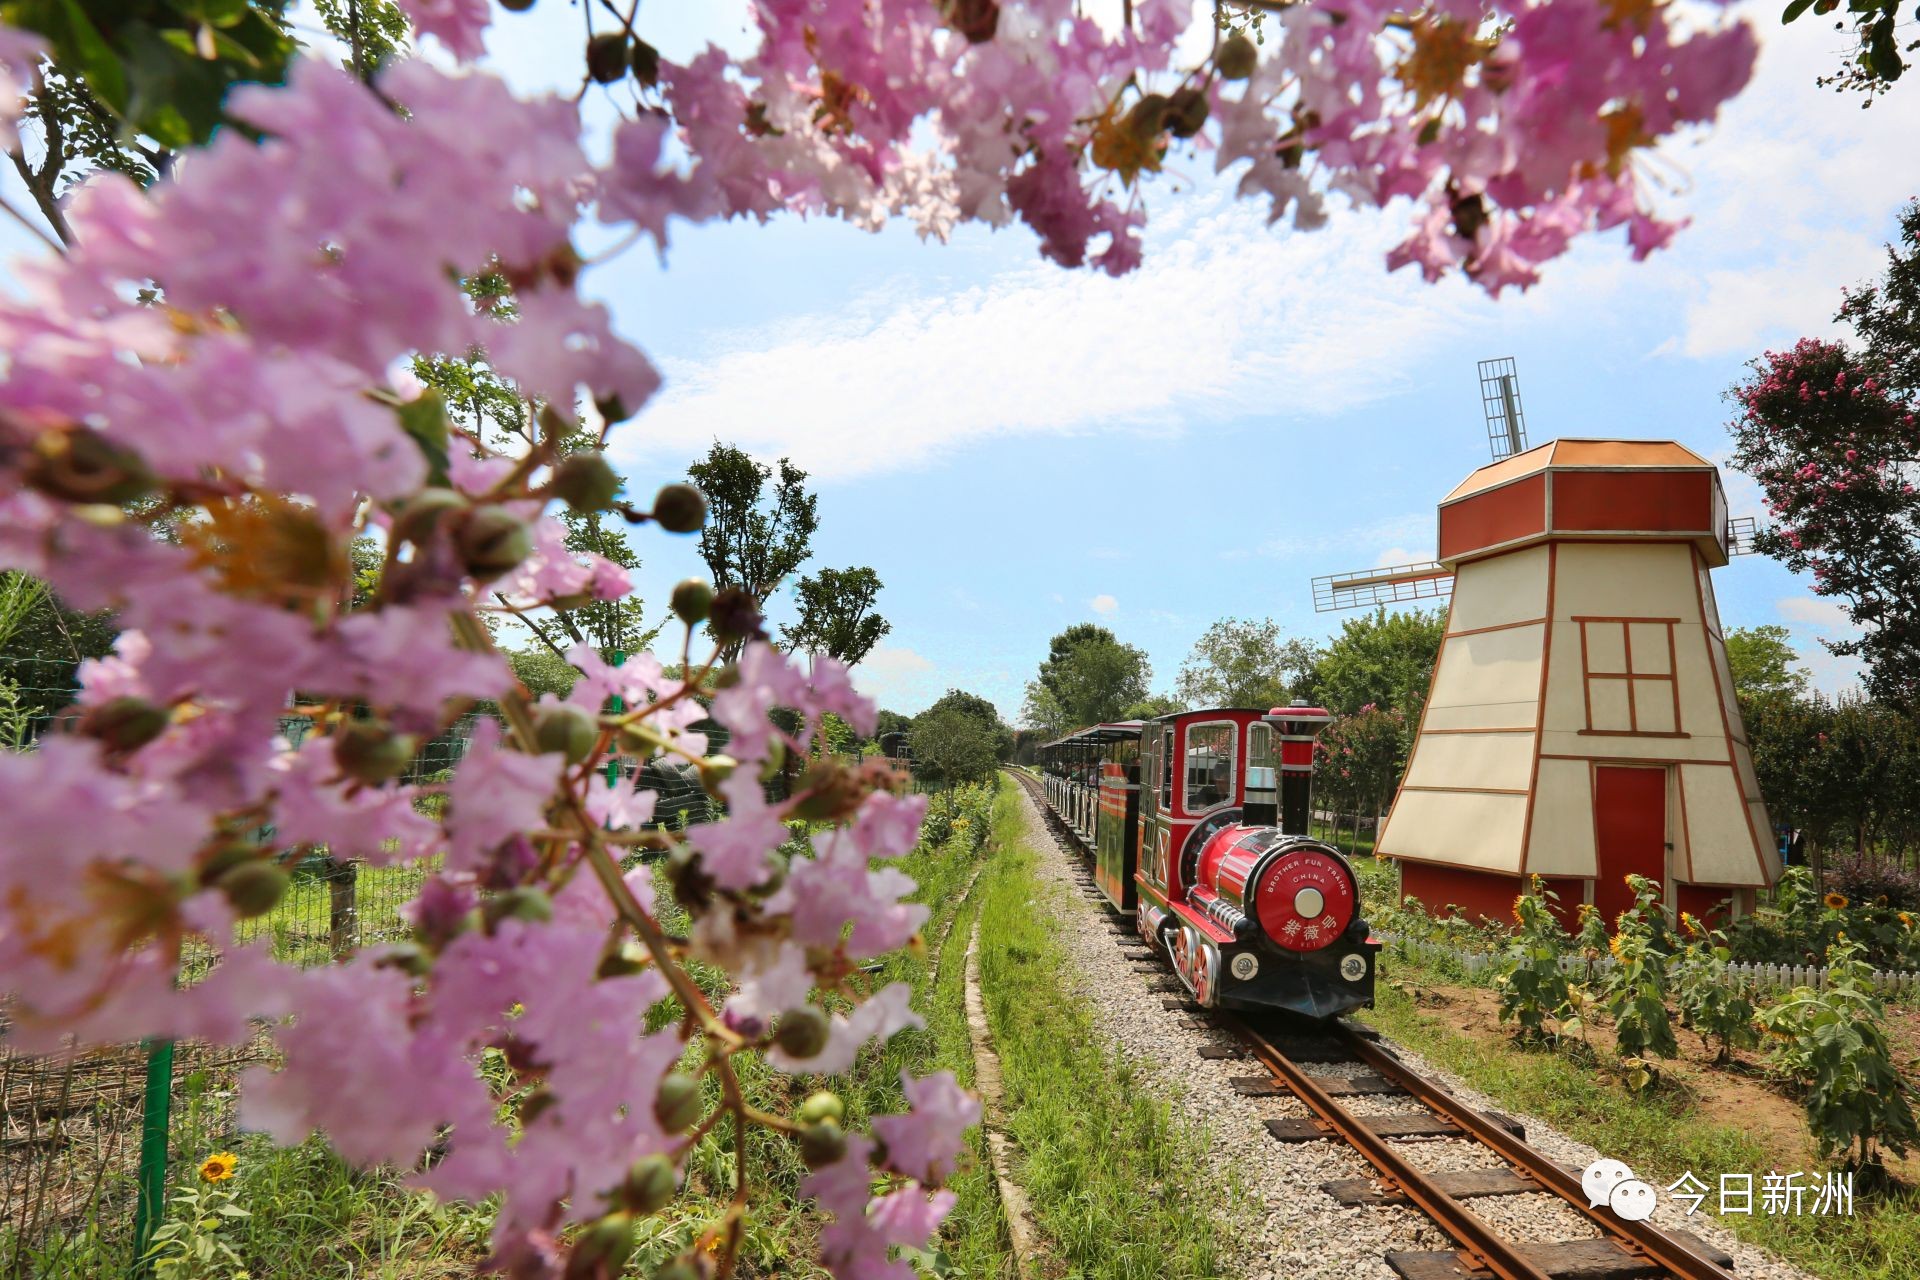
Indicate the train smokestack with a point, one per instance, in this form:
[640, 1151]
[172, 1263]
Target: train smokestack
[1297, 725]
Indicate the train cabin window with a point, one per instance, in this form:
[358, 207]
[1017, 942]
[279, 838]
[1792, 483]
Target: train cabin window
[1166, 770]
[1210, 751]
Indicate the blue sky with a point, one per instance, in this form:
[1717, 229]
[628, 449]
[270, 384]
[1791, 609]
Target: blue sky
[1016, 448]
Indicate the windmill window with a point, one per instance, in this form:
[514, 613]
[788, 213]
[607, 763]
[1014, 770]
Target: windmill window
[1628, 669]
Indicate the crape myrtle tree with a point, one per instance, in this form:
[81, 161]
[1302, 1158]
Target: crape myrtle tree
[1831, 435]
[201, 414]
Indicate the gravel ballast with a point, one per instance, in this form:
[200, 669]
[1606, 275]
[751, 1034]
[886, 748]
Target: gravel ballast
[1280, 1224]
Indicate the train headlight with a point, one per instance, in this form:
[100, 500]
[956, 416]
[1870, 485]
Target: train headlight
[1353, 967]
[1244, 966]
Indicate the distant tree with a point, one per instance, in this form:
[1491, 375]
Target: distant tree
[1088, 676]
[1762, 661]
[1830, 435]
[1154, 705]
[972, 704]
[952, 747]
[753, 538]
[43, 645]
[835, 617]
[543, 671]
[1358, 761]
[1385, 659]
[1236, 662]
[886, 722]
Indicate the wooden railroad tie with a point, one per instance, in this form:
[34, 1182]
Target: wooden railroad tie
[1562, 1259]
[1222, 1050]
[1462, 1185]
[1177, 1003]
[1366, 1085]
[1407, 1125]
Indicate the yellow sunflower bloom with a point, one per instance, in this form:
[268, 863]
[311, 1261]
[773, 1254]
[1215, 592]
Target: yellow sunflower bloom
[1691, 925]
[1837, 901]
[219, 1166]
[1905, 919]
[1518, 898]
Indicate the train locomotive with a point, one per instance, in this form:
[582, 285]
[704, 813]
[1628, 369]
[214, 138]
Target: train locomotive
[1196, 825]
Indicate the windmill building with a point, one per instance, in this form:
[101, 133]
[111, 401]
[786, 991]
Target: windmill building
[1581, 724]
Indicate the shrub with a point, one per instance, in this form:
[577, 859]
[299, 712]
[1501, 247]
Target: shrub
[1881, 882]
[1833, 1044]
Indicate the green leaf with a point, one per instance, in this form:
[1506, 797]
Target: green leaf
[1795, 9]
[174, 94]
[425, 419]
[77, 45]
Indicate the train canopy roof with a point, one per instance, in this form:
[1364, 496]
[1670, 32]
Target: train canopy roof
[1112, 731]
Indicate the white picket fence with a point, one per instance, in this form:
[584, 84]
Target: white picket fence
[1758, 977]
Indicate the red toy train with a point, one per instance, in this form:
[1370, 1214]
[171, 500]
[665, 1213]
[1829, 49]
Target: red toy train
[1197, 827]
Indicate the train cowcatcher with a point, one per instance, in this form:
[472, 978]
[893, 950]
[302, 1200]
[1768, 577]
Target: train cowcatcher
[1196, 824]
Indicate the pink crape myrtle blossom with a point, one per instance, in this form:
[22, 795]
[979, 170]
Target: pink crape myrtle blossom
[205, 424]
[924, 1143]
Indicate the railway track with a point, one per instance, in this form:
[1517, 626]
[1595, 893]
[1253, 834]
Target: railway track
[1621, 1249]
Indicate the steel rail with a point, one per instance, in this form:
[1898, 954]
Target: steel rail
[1483, 1247]
[1641, 1238]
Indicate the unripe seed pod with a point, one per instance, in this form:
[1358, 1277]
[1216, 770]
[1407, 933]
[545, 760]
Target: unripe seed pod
[516, 6]
[822, 1144]
[677, 1106]
[521, 904]
[83, 466]
[649, 1185]
[1236, 58]
[802, 1032]
[692, 600]
[645, 63]
[585, 482]
[225, 858]
[415, 521]
[821, 1106]
[493, 540]
[603, 1248]
[680, 508]
[735, 614]
[370, 751]
[252, 888]
[565, 728]
[607, 57]
[1148, 117]
[715, 770]
[1187, 112]
[126, 723]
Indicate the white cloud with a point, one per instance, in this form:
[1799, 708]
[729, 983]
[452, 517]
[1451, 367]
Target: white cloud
[1394, 533]
[1811, 620]
[897, 678]
[1104, 605]
[1822, 615]
[1227, 317]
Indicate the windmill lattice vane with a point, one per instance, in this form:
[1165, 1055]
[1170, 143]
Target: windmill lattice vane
[1500, 401]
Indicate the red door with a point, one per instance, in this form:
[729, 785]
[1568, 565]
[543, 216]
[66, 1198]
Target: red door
[1630, 826]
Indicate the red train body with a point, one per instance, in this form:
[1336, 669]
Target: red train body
[1196, 824]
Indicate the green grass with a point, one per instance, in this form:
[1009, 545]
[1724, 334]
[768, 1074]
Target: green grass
[1661, 1138]
[1117, 1178]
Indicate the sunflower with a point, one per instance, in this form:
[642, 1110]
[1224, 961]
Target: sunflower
[1613, 945]
[1905, 919]
[1836, 901]
[219, 1166]
[1691, 925]
[1517, 900]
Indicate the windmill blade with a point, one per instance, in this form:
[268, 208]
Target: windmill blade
[1428, 580]
[1500, 402]
[1741, 532]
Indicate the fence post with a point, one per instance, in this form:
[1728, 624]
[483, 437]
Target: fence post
[155, 1120]
[343, 881]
